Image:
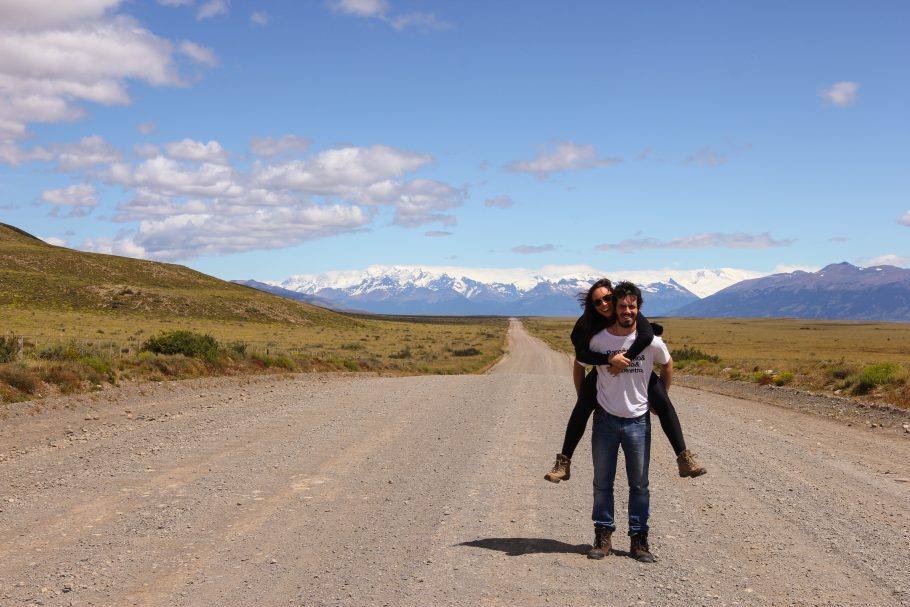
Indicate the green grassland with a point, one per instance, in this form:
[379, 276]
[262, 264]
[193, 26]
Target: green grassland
[865, 359]
[79, 319]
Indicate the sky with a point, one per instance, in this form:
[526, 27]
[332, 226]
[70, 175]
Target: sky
[268, 139]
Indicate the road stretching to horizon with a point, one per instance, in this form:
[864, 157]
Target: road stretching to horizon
[364, 490]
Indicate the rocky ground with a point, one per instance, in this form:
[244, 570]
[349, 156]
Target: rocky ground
[356, 490]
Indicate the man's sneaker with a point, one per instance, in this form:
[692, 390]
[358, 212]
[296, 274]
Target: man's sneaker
[639, 550]
[688, 466]
[602, 544]
[560, 471]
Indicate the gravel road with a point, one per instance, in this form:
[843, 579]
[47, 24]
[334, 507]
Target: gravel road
[356, 490]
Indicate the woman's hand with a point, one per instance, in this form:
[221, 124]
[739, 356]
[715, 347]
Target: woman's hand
[618, 363]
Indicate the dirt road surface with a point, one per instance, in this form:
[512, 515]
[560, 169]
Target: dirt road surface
[353, 490]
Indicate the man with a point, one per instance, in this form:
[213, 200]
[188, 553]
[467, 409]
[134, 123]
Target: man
[622, 420]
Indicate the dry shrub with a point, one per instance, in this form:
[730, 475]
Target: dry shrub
[20, 377]
[65, 377]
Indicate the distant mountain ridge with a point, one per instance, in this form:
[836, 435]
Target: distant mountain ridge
[417, 291]
[839, 291]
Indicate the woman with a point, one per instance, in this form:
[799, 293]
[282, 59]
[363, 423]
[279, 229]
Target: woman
[598, 313]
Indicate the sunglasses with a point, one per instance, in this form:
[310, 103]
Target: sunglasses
[601, 301]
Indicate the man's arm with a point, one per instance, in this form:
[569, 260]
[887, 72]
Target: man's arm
[666, 374]
[578, 375]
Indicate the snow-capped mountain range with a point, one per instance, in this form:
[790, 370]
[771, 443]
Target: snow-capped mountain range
[459, 291]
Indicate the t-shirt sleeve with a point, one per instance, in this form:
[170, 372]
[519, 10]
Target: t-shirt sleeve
[660, 350]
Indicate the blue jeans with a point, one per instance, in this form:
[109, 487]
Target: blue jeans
[634, 435]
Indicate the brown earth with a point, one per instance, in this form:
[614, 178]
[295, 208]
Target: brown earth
[356, 490]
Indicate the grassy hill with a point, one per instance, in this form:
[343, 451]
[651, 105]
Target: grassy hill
[34, 274]
[64, 313]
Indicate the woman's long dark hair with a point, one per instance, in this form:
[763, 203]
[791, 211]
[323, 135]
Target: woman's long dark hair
[592, 321]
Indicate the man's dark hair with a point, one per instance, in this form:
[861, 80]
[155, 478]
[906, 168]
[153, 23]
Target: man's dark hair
[624, 289]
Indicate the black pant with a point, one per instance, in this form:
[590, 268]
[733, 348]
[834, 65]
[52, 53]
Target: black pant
[658, 402]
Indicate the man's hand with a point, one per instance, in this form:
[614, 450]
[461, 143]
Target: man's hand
[618, 363]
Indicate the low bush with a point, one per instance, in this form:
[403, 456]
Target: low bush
[65, 377]
[467, 352]
[187, 343]
[20, 377]
[877, 375]
[9, 348]
[783, 378]
[686, 353]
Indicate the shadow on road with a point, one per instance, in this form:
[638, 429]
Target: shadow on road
[516, 546]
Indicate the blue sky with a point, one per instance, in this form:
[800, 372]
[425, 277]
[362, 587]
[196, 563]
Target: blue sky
[264, 139]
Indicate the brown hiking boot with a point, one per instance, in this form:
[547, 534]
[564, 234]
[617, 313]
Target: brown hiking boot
[688, 466]
[602, 544]
[639, 550]
[560, 471]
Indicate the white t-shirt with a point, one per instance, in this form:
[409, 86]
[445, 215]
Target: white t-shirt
[626, 394]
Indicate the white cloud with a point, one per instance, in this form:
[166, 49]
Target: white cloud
[57, 242]
[169, 177]
[379, 9]
[269, 146]
[706, 157]
[146, 128]
[194, 235]
[527, 249]
[500, 202]
[738, 240]
[39, 14]
[199, 54]
[212, 8]
[419, 202]
[905, 219]
[887, 260]
[55, 56]
[360, 8]
[188, 149]
[90, 151]
[842, 94]
[437, 234]
[11, 153]
[346, 172]
[81, 199]
[176, 2]
[562, 156]
[146, 150]
[260, 18]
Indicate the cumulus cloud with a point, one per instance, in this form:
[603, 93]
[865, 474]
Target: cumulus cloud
[738, 240]
[260, 18]
[169, 177]
[56, 56]
[355, 172]
[90, 151]
[330, 192]
[562, 156]
[194, 235]
[705, 157]
[81, 199]
[905, 220]
[199, 54]
[360, 8]
[269, 147]
[188, 149]
[841, 94]
[888, 260]
[500, 202]
[212, 8]
[37, 14]
[527, 249]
